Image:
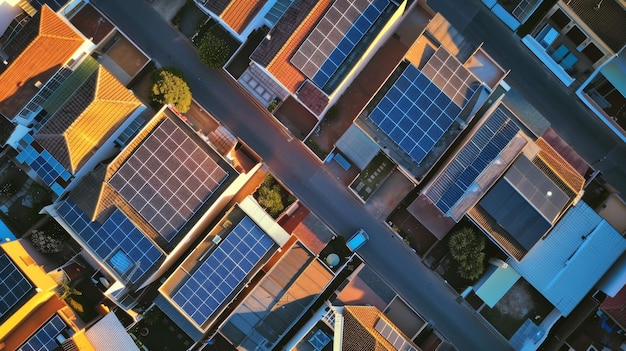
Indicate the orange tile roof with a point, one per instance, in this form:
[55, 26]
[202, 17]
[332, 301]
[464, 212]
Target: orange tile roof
[240, 12]
[56, 42]
[359, 332]
[280, 67]
[560, 166]
[73, 133]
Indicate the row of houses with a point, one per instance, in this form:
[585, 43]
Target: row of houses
[156, 206]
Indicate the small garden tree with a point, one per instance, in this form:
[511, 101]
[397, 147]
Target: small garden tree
[170, 87]
[213, 50]
[270, 197]
[46, 243]
[467, 248]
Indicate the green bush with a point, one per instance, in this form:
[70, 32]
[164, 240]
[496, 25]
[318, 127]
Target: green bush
[213, 50]
[170, 87]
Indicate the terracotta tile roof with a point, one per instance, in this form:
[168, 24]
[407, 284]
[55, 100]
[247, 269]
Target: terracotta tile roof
[312, 97]
[561, 168]
[240, 12]
[359, 332]
[53, 47]
[280, 67]
[89, 117]
[216, 6]
[616, 306]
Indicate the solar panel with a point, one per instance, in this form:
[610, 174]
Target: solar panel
[484, 146]
[223, 271]
[13, 284]
[116, 241]
[450, 76]
[390, 334]
[335, 36]
[170, 177]
[45, 339]
[414, 122]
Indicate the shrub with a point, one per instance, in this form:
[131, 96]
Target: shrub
[46, 243]
[170, 87]
[213, 50]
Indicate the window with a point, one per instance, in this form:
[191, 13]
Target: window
[592, 52]
[576, 35]
[560, 19]
[121, 262]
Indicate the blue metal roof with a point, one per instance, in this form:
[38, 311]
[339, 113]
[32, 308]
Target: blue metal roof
[572, 258]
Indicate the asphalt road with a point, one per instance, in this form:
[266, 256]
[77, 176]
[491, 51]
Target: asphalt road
[585, 132]
[304, 175]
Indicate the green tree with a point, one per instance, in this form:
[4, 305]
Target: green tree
[467, 248]
[170, 87]
[213, 50]
[270, 196]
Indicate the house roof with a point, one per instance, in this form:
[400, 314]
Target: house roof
[108, 334]
[582, 244]
[286, 37]
[357, 146]
[87, 119]
[312, 97]
[606, 18]
[360, 330]
[6, 128]
[279, 299]
[525, 202]
[616, 306]
[216, 6]
[240, 12]
[54, 45]
[558, 168]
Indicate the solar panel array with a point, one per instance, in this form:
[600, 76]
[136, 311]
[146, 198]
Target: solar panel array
[451, 76]
[167, 178]
[45, 338]
[490, 139]
[44, 164]
[223, 271]
[390, 334]
[335, 36]
[116, 233]
[414, 113]
[13, 284]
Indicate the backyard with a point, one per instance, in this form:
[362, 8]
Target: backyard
[372, 176]
[21, 199]
[520, 303]
[157, 332]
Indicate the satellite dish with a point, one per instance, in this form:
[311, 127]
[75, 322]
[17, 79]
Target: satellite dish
[332, 259]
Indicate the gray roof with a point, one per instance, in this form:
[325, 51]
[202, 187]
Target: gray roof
[357, 146]
[525, 202]
[572, 258]
[606, 18]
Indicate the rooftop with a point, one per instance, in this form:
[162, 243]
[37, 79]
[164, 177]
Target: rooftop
[582, 244]
[87, 119]
[280, 298]
[55, 43]
[607, 19]
[366, 328]
[525, 202]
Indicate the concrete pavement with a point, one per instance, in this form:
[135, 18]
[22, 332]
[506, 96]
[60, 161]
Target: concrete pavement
[305, 176]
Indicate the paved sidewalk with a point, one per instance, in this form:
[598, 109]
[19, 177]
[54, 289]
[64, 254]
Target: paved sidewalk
[167, 8]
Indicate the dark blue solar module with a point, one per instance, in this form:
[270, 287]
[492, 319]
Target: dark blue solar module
[55, 5]
[13, 284]
[349, 41]
[45, 338]
[44, 164]
[414, 113]
[223, 271]
[117, 241]
[488, 141]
